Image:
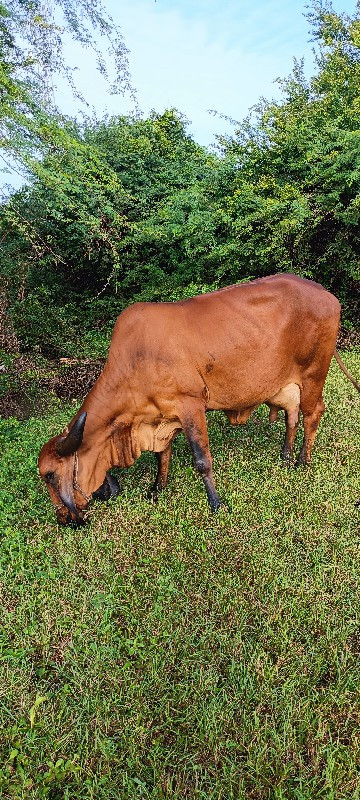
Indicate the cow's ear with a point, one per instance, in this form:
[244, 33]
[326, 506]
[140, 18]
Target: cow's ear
[72, 442]
[110, 488]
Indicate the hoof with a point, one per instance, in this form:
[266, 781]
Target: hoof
[153, 493]
[215, 504]
[300, 462]
[286, 458]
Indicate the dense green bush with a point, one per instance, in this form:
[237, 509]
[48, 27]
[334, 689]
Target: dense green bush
[131, 208]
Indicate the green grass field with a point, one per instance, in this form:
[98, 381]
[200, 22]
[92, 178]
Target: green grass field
[164, 652]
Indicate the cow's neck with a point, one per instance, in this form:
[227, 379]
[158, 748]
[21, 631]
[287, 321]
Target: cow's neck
[107, 436]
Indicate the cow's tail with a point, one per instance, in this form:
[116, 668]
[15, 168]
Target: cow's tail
[345, 371]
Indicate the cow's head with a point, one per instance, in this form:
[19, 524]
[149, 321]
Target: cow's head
[58, 467]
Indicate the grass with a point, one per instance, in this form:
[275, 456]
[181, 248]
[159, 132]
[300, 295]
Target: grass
[163, 652]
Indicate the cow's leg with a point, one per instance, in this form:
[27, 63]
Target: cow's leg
[195, 430]
[287, 398]
[312, 417]
[292, 424]
[109, 488]
[161, 479]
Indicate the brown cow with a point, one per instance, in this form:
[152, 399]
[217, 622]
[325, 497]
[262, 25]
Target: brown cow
[269, 341]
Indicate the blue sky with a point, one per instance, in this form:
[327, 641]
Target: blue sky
[198, 55]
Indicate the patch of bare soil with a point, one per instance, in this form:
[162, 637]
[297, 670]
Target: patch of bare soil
[28, 386]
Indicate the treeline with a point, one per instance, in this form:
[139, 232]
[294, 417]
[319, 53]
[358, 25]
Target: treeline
[132, 208]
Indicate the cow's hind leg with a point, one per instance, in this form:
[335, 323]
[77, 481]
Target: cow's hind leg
[312, 416]
[195, 430]
[292, 425]
[287, 398]
[163, 460]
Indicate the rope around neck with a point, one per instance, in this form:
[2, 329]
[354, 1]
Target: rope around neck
[75, 484]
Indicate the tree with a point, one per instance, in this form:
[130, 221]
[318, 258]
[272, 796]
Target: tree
[294, 202]
[122, 218]
[130, 208]
[31, 53]
[41, 144]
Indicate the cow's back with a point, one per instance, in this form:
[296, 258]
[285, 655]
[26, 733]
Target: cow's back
[250, 340]
[242, 343]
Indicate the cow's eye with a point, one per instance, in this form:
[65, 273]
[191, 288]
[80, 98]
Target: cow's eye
[49, 477]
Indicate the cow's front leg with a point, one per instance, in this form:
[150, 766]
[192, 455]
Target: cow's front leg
[109, 488]
[195, 430]
[161, 479]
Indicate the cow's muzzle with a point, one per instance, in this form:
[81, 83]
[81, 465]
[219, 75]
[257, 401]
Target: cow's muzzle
[69, 520]
[67, 513]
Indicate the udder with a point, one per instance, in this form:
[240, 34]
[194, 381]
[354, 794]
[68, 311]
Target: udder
[287, 398]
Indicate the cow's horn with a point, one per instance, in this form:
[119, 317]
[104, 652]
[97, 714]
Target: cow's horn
[74, 438]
